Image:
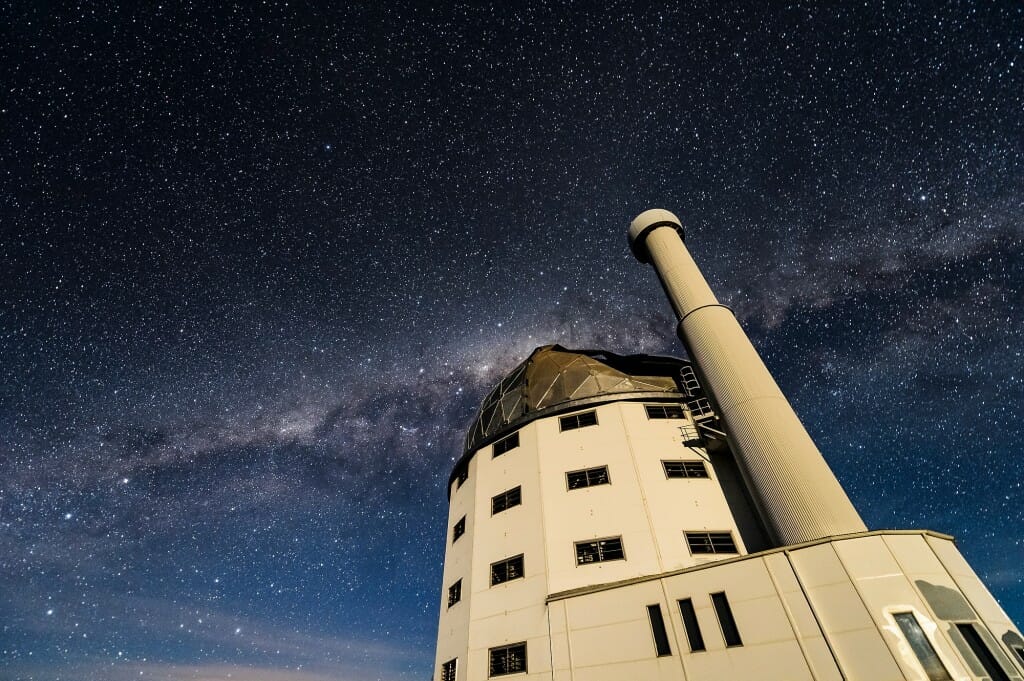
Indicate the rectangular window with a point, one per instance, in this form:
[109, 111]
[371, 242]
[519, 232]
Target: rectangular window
[1020, 653]
[506, 500]
[710, 542]
[506, 570]
[508, 659]
[582, 420]
[729, 631]
[658, 629]
[685, 469]
[459, 529]
[448, 670]
[502, 446]
[664, 411]
[980, 650]
[462, 474]
[691, 626]
[921, 646]
[587, 478]
[599, 551]
[455, 593]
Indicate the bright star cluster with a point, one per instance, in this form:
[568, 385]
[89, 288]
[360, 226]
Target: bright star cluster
[260, 262]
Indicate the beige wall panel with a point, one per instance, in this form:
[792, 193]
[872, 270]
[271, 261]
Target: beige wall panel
[866, 557]
[818, 565]
[780, 661]
[865, 657]
[625, 641]
[614, 606]
[509, 627]
[631, 671]
[839, 608]
[914, 554]
[516, 594]
[761, 621]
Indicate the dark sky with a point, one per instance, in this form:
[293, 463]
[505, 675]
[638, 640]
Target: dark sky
[260, 263]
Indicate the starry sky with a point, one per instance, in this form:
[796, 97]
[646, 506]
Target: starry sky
[260, 262]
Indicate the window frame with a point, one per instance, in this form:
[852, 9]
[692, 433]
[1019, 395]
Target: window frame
[505, 563]
[510, 498]
[694, 636]
[575, 421]
[662, 647]
[586, 478]
[686, 474]
[919, 643]
[455, 593]
[458, 529]
[600, 551]
[506, 649]
[450, 670]
[726, 620]
[711, 536]
[506, 444]
[667, 412]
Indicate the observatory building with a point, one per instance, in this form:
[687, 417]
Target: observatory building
[633, 517]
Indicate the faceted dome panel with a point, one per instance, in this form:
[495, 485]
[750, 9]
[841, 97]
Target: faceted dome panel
[552, 378]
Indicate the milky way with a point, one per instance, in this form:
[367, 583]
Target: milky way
[260, 265]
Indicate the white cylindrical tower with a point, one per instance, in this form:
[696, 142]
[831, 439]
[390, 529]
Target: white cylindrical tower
[798, 495]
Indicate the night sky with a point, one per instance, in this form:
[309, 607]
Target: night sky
[259, 264]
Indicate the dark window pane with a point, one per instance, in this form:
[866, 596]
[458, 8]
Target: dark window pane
[599, 551]
[658, 629]
[691, 626]
[664, 411]
[459, 529]
[981, 651]
[502, 446]
[587, 478]
[507, 660]
[455, 593]
[448, 670]
[725, 619]
[461, 475]
[685, 469]
[574, 421]
[506, 500]
[921, 646]
[710, 542]
[505, 570]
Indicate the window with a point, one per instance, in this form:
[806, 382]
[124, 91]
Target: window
[921, 646]
[1020, 653]
[658, 629]
[729, 631]
[664, 411]
[461, 474]
[691, 626]
[506, 500]
[505, 570]
[508, 659]
[455, 593]
[599, 551]
[582, 420]
[502, 446]
[711, 542]
[459, 529]
[587, 478]
[685, 469]
[980, 650]
[448, 670]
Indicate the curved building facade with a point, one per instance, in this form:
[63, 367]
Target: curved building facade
[637, 517]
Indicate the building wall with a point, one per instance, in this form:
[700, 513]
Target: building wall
[649, 511]
[822, 612]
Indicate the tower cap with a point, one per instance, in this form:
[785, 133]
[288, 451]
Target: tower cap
[643, 224]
